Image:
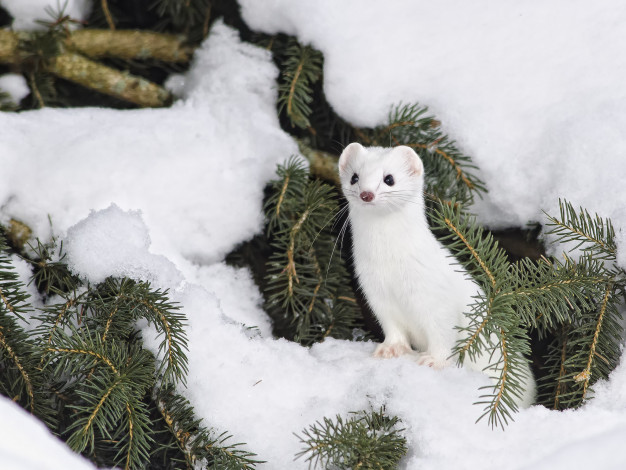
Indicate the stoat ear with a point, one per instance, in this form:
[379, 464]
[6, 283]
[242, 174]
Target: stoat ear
[413, 161]
[348, 154]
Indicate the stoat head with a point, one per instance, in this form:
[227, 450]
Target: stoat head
[381, 178]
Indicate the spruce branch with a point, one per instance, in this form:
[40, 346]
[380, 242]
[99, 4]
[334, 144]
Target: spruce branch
[50, 272]
[366, 440]
[585, 375]
[449, 174]
[110, 383]
[199, 445]
[494, 325]
[84, 370]
[588, 346]
[549, 293]
[126, 301]
[301, 69]
[183, 16]
[307, 288]
[21, 379]
[589, 233]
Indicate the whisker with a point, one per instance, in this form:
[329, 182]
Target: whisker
[332, 253]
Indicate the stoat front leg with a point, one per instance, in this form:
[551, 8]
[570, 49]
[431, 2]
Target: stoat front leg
[396, 340]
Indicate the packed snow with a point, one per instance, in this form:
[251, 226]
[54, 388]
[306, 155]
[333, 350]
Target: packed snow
[163, 195]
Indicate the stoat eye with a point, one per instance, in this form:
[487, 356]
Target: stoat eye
[389, 180]
[354, 179]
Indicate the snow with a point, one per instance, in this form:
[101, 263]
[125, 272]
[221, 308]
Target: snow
[26, 13]
[15, 85]
[112, 242]
[85, 159]
[26, 443]
[533, 93]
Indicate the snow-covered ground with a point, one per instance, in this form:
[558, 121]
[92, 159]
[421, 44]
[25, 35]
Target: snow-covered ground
[533, 92]
[26, 443]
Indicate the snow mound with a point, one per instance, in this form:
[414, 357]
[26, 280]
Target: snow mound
[15, 85]
[533, 93]
[196, 171]
[26, 443]
[112, 242]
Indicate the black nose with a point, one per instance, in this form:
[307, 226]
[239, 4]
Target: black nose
[367, 196]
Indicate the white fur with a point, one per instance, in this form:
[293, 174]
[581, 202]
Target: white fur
[417, 291]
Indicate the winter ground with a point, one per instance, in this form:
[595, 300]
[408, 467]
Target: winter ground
[534, 94]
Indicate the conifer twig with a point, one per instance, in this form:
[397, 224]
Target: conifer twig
[107, 14]
[18, 364]
[585, 375]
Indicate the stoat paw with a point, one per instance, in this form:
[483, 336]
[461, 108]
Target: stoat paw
[425, 359]
[388, 351]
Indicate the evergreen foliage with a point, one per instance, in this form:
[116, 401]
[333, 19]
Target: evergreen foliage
[495, 328]
[578, 296]
[20, 376]
[576, 299]
[308, 287]
[68, 68]
[449, 174]
[587, 345]
[84, 370]
[367, 440]
[196, 444]
[301, 68]
[573, 301]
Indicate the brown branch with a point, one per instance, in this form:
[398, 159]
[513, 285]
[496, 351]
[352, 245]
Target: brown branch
[472, 339]
[9, 47]
[505, 372]
[322, 164]
[560, 384]
[207, 20]
[108, 325]
[182, 438]
[585, 375]
[291, 264]
[107, 14]
[86, 352]
[16, 360]
[131, 436]
[70, 303]
[320, 279]
[107, 80]
[167, 329]
[71, 64]
[129, 45]
[282, 195]
[473, 252]
[96, 410]
[293, 88]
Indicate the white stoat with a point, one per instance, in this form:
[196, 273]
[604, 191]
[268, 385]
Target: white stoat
[417, 291]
